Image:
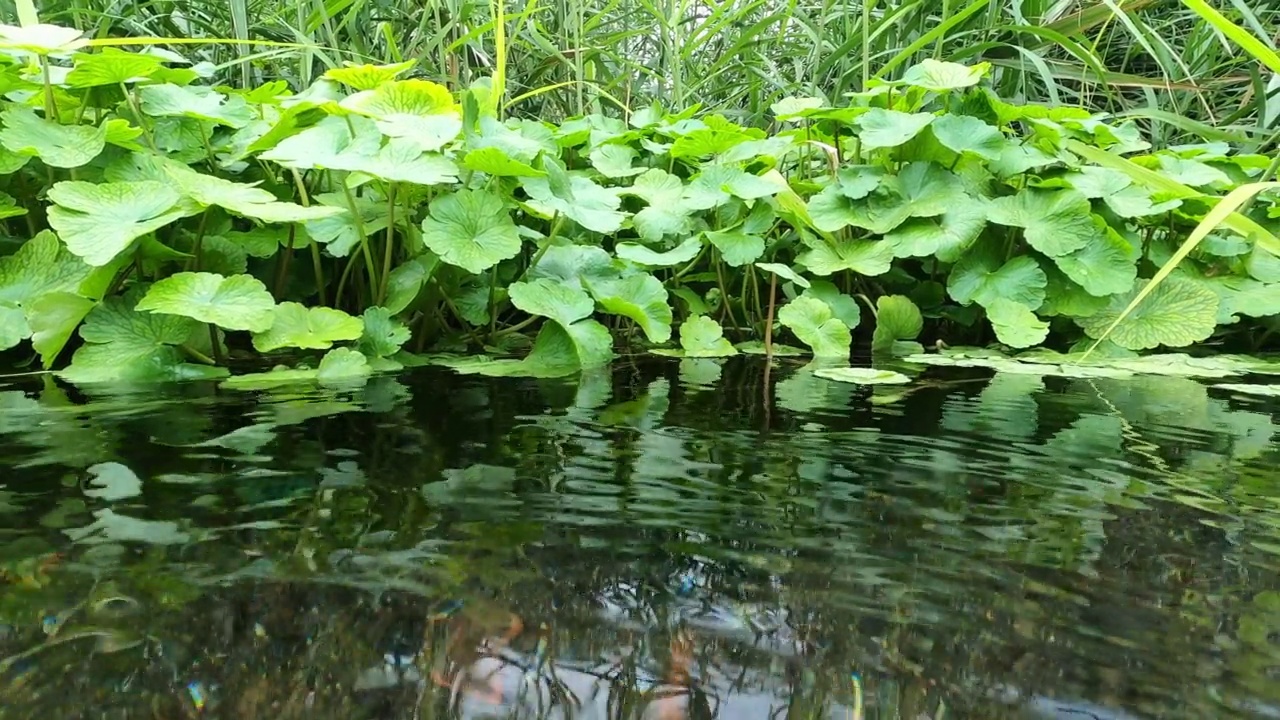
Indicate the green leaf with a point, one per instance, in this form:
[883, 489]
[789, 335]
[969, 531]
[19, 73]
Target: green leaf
[558, 301]
[41, 38]
[980, 277]
[641, 255]
[367, 77]
[383, 335]
[862, 376]
[922, 189]
[581, 200]
[401, 160]
[964, 134]
[42, 265]
[554, 354]
[1064, 297]
[340, 233]
[946, 236]
[700, 336]
[471, 229]
[111, 67]
[53, 317]
[317, 328]
[124, 345]
[98, 222]
[890, 128]
[13, 326]
[341, 366]
[1178, 312]
[816, 326]
[335, 143]
[519, 140]
[667, 213]
[1015, 324]
[897, 318]
[196, 102]
[407, 280]
[1055, 222]
[57, 145]
[865, 257]
[843, 307]
[1107, 265]
[495, 161]
[736, 246]
[641, 297]
[715, 184]
[614, 161]
[240, 302]
[940, 76]
[784, 272]
[417, 110]
[245, 200]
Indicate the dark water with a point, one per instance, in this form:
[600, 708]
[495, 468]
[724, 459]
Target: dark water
[670, 541]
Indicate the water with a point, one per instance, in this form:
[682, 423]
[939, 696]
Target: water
[674, 541]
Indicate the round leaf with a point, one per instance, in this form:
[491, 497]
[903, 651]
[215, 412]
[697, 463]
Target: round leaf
[1055, 222]
[890, 128]
[98, 222]
[1015, 324]
[862, 376]
[816, 326]
[471, 229]
[317, 328]
[240, 302]
[1178, 312]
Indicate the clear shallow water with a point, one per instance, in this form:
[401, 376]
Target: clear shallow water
[661, 541]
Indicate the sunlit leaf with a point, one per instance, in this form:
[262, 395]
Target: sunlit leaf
[495, 161]
[668, 213]
[52, 318]
[964, 134]
[890, 128]
[418, 110]
[784, 272]
[111, 66]
[815, 325]
[558, 301]
[615, 161]
[700, 336]
[1055, 222]
[239, 302]
[42, 38]
[471, 229]
[897, 318]
[195, 102]
[946, 236]
[1178, 312]
[98, 222]
[843, 307]
[367, 77]
[383, 334]
[641, 255]
[862, 376]
[1015, 324]
[980, 277]
[57, 145]
[298, 326]
[640, 297]
[865, 257]
[941, 76]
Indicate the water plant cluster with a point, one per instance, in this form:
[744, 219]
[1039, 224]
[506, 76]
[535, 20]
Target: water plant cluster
[161, 226]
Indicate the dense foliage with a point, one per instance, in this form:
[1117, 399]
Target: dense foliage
[174, 223]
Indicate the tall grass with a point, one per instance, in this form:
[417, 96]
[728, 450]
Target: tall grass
[1152, 57]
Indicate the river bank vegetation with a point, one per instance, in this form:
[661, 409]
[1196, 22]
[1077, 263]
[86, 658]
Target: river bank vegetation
[337, 201]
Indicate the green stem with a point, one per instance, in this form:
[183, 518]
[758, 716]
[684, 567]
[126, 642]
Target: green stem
[388, 251]
[217, 346]
[555, 228]
[196, 354]
[197, 247]
[768, 320]
[358, 221]
[50, 106]
[305, 200]
[137, 114]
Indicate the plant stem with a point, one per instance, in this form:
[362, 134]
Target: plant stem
[217, 346]
[388, 251]
[358, 221]
[768, 320]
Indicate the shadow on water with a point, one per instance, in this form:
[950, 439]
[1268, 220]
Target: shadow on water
[663, 541]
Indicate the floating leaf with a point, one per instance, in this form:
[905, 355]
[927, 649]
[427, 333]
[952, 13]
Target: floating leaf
[980, 277]
[890, 128]
[862, 376]
[471, 229]
[98, 222]
[298, 326]
[1015, 324]
[816, 326]
[239, 302]
[641, 297]
[941, 76]
[1055, 222]
[756, 347]
[1178, 312]
[641, 255]
[897, 318]
[57, 145]
[1249, 389]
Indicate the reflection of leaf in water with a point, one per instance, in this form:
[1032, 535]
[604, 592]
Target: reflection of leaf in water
[110, 526]
[346, 474]
[113, 481]
[699, 372]
[645, 412]
[477, 484]
[1152, 401]
[804, 392]
[247, 440]
[1005, 410]
[1088, 439]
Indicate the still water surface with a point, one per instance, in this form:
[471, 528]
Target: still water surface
[658, 541]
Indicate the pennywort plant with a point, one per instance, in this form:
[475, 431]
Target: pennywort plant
[164, 228]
